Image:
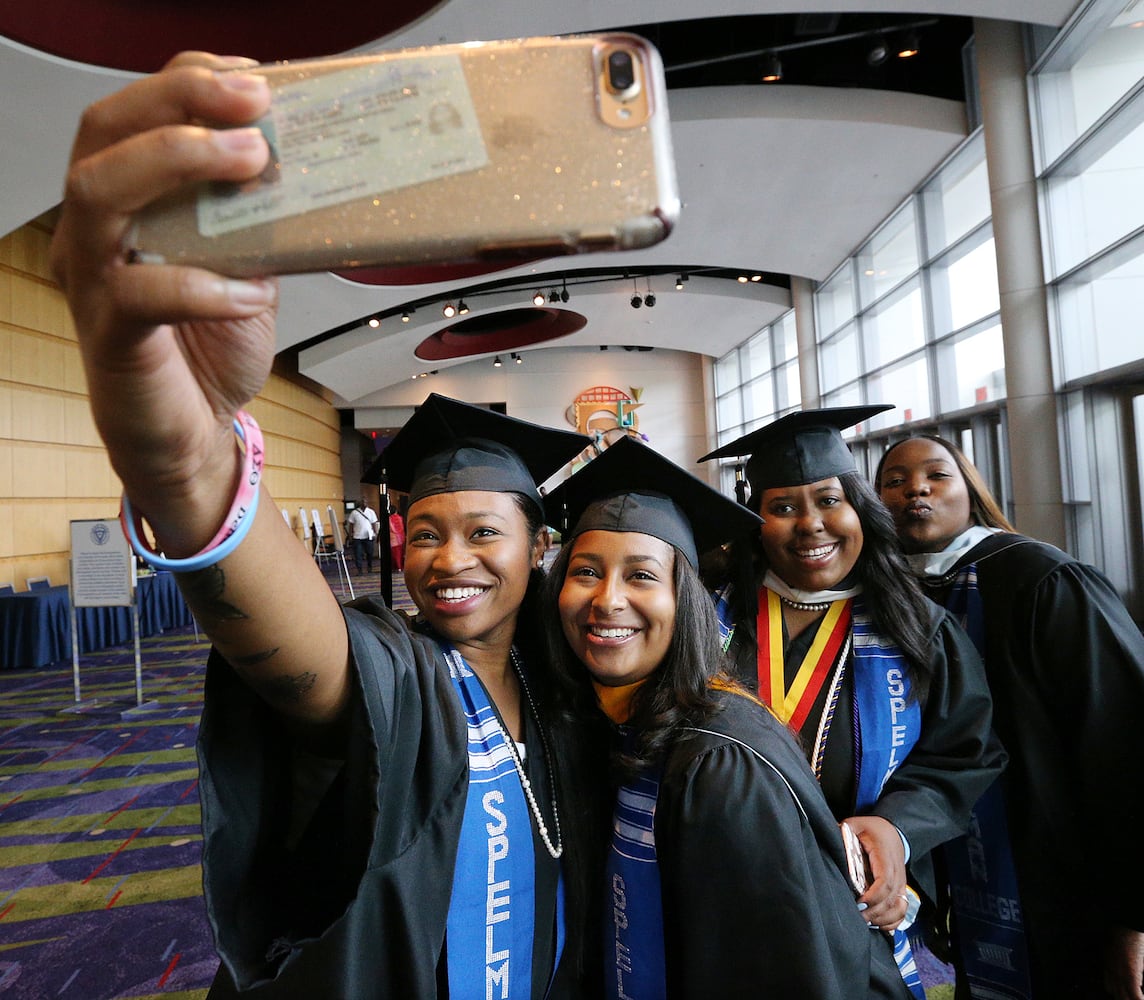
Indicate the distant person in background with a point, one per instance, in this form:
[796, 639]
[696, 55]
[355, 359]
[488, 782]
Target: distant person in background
[1056, 842]
[362, 533]
[396, 536]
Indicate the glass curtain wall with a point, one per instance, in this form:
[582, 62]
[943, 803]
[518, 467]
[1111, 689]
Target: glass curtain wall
[755, 383]
[913, 317]
[1088, 105]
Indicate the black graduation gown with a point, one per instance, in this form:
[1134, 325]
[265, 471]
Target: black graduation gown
[356, 907]
[756, 901]
[1065, 663]
[956, 758]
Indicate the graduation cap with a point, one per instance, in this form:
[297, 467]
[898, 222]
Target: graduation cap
[630, 487]
[448, 446]
[800, 448]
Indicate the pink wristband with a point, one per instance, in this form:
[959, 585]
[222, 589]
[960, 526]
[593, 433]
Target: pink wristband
[234, 526]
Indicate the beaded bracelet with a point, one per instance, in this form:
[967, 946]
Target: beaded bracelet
[235, 526]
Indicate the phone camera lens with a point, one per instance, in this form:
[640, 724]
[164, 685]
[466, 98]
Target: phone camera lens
[621, 71]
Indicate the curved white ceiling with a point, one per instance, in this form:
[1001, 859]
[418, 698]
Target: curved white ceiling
[784, 179]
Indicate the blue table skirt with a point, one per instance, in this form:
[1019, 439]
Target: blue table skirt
[35, 626]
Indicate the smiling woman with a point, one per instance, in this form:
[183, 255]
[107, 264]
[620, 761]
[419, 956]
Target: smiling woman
[824, 620]
[710, 781]
[451, 706]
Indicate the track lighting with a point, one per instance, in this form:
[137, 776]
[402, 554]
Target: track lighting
[908, 47]
[772, 68]
[374, 322]
[449, 310]
[649, 297]
[564, 296]
[462, 309]
[497, 361]
[554, 296]
[878, 53]
[517, 358]
[679, 282]
[635, 300]
[538, 298]
[405, 315]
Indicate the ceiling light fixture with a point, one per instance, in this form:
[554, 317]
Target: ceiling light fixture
[742, 279]
[517, 358]
[405, 315]
[564, 296]
[909, 46]
[635, 300]
[772, 68]
[679, 283]
[538, 298]
[554, 296]
[375, 322]
[449, 310]
[649, 298]
[462, 309]
[497, 361]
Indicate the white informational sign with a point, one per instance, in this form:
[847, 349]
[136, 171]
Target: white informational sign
[102, 565]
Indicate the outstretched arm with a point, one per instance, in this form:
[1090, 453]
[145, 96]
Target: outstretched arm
[171, 353]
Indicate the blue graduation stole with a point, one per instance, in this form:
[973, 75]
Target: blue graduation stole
[634, 966]
[982, 876]
[722, 598]
[490, 925]
[889, 726]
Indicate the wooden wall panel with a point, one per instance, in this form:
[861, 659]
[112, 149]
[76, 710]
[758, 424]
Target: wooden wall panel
[5, 413]
[53, 468]
[5, 301]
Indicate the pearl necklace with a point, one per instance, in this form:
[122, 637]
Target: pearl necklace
[542, 828]
[800, 606]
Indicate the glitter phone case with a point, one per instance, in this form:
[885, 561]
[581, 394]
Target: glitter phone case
[855, 860]
[455, 153]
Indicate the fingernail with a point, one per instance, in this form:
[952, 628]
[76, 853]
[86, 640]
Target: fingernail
[238, 140]
[244, 83]
[250, 293]
[237, 61]
[862, 906]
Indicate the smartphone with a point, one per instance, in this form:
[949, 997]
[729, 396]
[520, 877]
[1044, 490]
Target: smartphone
[504, 150]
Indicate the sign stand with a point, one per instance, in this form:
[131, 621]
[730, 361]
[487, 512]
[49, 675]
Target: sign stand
[103, 575]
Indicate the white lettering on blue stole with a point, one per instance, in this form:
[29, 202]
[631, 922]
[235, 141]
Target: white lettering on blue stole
[497, 899]
[620, 920]
[896, 688]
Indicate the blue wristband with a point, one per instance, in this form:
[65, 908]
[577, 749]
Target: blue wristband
[238, 519]
[196, 562]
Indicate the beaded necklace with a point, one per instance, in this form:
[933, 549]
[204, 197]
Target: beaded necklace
[554, 851]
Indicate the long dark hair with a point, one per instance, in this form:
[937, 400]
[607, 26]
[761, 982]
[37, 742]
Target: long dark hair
[893, 598]
[675, 695]
[983, 508]
[580, 774]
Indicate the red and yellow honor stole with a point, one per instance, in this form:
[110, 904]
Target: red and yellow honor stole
[793, 706]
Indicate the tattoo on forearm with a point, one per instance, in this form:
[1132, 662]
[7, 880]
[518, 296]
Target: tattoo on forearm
[287, 690]
[203, 591]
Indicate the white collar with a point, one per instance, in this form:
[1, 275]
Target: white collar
[780, 587]
[940, 563]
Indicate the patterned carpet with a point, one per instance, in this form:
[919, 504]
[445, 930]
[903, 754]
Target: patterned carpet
[100, 884]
